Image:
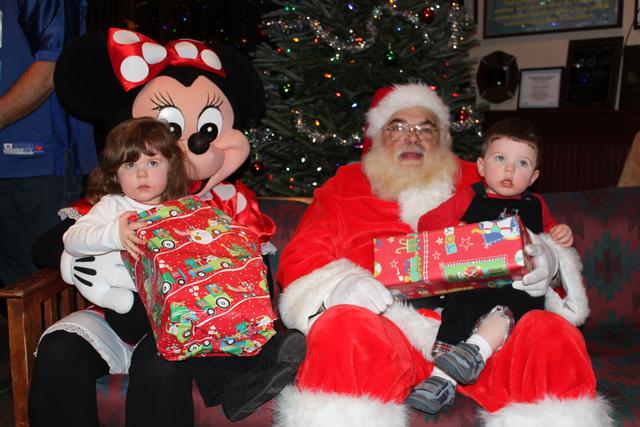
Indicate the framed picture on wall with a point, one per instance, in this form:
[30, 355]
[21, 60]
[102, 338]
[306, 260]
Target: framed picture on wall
[540, 88]
[636, 21]
[591, 77]
[505, 18]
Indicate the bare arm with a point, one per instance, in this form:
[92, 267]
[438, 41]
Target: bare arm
[27, 93]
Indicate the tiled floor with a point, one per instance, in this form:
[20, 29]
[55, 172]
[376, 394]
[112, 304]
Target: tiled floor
[6, 401]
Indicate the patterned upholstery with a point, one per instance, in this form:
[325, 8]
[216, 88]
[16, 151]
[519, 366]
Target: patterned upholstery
[607, 228]
[607, 236]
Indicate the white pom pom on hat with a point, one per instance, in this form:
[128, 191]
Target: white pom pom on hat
[390, 99]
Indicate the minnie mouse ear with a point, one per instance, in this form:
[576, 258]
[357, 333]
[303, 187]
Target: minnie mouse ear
[243, 85]
[85, 84]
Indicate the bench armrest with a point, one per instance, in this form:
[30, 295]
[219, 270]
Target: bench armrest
[34, 303]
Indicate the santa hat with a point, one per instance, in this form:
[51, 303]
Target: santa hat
[390, 99]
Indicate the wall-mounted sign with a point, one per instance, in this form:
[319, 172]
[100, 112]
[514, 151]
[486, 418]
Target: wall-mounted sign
[503, 18]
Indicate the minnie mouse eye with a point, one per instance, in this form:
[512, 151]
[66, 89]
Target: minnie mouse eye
[209, 131]
[174, 118]
[175, 129]
[210, 123]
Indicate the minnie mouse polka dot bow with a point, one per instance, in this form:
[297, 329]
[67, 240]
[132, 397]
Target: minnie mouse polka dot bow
[136, 59]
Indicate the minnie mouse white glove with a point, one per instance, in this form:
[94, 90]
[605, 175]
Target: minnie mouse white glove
[545, 267]
[102, 279]
[360, 289]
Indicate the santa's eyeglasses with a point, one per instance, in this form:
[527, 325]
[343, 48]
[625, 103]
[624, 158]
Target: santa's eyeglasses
[398, 130]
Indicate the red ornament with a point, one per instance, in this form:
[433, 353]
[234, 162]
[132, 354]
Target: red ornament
[257, 168]
[463, 115]
[427, 15]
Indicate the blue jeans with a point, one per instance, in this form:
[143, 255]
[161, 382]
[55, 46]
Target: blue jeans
[28, 208]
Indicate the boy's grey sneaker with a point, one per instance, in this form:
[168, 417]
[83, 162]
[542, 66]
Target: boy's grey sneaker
[463, 363]
[432, 395]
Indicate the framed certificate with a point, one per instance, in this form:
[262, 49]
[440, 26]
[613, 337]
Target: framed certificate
[540, 88]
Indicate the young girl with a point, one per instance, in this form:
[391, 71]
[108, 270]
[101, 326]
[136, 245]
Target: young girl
[141, 166]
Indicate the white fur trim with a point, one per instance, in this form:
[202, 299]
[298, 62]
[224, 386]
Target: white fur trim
[415, 202]
[403, 97]
[420, 331]
[300, 408]
[575, 305]
[553, 412]
[304, 297]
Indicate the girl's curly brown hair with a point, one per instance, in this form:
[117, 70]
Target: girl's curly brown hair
[124, 144]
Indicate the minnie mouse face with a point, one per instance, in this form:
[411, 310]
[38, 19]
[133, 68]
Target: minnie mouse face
[201, 117]
[206, 93]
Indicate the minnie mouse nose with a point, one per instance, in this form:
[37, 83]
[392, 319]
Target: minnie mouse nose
[199, 142]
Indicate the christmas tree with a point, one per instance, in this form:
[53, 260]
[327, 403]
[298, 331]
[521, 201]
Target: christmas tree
[321, 66]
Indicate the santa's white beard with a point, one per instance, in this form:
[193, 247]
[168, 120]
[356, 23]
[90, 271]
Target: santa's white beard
[389, 176]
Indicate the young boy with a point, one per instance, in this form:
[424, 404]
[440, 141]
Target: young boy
[476, 323]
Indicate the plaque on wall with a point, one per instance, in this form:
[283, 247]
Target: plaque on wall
[503, 18]
[497, 76]
[591, 77]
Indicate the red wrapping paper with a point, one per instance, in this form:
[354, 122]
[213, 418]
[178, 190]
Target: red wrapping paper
[437, 262]
[202, 281]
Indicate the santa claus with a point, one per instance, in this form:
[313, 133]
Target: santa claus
[365, 351]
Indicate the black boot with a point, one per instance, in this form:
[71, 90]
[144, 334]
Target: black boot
[276, 367]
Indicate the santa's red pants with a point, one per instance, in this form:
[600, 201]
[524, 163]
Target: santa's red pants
[352, 351]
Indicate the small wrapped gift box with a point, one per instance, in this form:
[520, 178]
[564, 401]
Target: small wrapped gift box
[202, 280]
[453, 259]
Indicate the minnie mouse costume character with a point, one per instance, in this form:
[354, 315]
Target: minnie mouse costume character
[206, 94]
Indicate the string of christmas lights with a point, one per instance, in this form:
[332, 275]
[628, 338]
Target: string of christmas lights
[355, 43]
[319, 75]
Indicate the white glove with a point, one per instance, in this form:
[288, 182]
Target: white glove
[119, 300]
[101, 279]
[545, 267]
[360, 289]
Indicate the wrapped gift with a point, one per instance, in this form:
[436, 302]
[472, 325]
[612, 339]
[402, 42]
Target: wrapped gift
[202, 280]
[453, 259]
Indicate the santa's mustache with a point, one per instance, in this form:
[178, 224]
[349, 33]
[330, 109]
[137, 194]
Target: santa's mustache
[410, 148]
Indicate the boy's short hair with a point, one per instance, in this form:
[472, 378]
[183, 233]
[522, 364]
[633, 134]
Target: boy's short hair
[520, 130]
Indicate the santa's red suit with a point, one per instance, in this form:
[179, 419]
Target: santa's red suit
[361, 366]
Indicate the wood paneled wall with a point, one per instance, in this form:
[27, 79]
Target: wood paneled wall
[582, 150]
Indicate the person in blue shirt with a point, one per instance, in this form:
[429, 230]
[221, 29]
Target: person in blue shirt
[44, 151]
